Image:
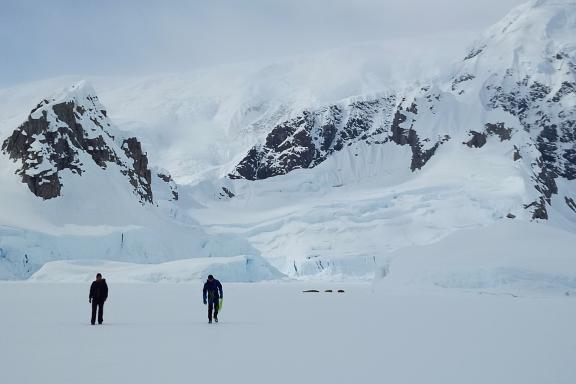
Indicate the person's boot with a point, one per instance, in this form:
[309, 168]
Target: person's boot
[215, 319]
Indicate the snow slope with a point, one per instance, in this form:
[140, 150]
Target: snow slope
[505, 258]
[338, 220]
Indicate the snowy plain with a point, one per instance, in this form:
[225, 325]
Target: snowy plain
[273, 332]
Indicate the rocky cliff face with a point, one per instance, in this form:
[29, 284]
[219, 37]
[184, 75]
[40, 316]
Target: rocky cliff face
[65, 134]
[542, 112]
[311, 137]
[524, 70]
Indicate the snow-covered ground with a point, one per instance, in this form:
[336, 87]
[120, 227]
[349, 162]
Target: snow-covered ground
[274, 333]
[519, 259]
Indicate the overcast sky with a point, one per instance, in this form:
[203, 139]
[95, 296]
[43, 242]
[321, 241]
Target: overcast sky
[41, 38]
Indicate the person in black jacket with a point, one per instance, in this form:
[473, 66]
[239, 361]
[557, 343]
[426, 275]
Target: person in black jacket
[212, 294]
[98, 295]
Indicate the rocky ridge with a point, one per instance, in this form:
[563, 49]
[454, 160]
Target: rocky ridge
[65, 133]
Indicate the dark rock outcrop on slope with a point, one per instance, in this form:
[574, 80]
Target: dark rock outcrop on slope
[311, 137]
[167, 179]
[479, 139]
[139, 174]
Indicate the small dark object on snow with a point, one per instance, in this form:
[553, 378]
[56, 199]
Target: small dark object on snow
[340, 291]
[311, 290]
[328, 290]
[510, 216]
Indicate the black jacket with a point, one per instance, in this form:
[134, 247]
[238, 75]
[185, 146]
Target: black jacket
[99, 290]
[212, 290]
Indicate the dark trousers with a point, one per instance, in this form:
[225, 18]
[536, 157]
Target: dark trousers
[97, 305]
[212, 305]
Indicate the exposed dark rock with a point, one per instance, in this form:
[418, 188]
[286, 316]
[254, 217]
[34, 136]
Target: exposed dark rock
[139, 174]
[510, 216]
[249, 166]
[571, 203]
[165, 177]
[478, 140]
[461, 79]
[44, 184]
[538, 91]
[413, 108]
[403, 136]
[228, 192]
[474, 52]
[539, 209]
[56, 151]
[499, 130]
[516, 155]
[547, 181]
[570, 164]
[311, 291]
[564, 90]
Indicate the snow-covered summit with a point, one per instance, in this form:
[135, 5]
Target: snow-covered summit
[526, 39]
[78, 92]
[65, 135]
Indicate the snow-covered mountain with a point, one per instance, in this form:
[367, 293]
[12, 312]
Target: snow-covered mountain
[516, 85]
[75, 187]
[66, 136]
[321, 177]
[493, 139]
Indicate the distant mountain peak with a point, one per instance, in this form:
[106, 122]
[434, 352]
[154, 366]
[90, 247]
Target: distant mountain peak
[528, 32]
